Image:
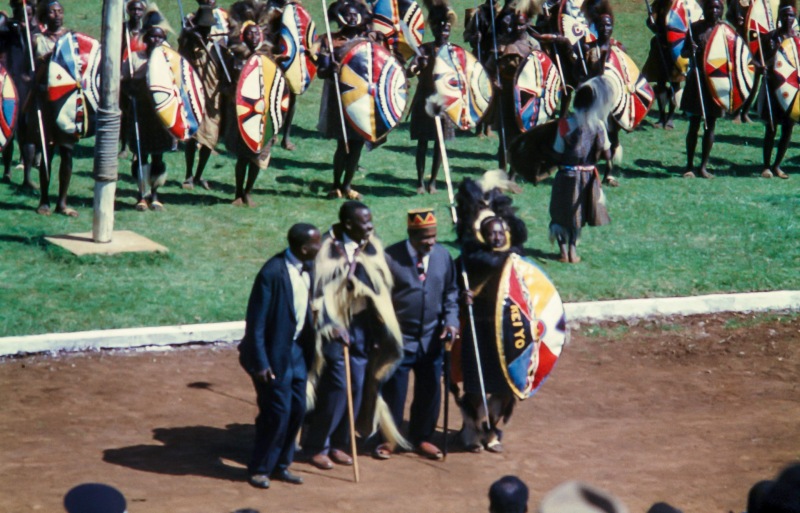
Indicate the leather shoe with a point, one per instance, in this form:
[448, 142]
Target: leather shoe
[321, 461]
[259, 481]
[341, 457]
[287, 477]
[430, 451]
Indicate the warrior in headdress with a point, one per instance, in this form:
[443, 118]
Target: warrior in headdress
[352, 303]
[354, 20]
[15, 58]
[423, 129]
[153, 138]
[696, 101]
[51, 15]
[203, 50]
[771, 112]
[660, 68]
[490, 232]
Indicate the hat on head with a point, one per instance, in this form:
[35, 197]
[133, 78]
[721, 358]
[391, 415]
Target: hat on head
[577, 497]
[94, 498]
[421, 218]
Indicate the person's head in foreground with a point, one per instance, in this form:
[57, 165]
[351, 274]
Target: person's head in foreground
[508, 495]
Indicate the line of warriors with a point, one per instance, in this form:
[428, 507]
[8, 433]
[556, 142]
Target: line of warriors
[578, 73]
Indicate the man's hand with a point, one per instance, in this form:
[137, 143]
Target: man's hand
[449, 334]
[265, 376]
[341, 335]
[467, 296]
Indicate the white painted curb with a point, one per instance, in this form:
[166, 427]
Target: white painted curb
[593, 311]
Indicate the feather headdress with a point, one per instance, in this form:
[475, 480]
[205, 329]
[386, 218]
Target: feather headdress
[439, 10]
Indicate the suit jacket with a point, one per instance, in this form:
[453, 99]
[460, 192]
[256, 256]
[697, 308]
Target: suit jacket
[270, 322]
[423, 307]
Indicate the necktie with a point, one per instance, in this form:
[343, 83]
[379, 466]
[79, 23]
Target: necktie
[420, 267]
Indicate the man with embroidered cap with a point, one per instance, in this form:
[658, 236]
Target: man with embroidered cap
[276, 352]
[425, 299]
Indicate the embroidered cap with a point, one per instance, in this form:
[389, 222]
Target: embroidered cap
[421, 218]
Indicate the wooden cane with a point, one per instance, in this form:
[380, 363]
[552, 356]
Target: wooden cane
[350, 413]
[446, 165]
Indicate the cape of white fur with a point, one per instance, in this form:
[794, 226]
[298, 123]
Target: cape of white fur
[332, 303]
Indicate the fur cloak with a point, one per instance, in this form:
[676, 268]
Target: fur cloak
[337, 288]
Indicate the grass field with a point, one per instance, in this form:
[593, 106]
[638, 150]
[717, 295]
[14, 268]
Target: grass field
[669, 236]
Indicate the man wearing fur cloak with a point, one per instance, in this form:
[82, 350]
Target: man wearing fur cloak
[353, 305]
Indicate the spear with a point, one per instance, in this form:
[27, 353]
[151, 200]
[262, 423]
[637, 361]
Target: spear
[38, 108]
[335, 77]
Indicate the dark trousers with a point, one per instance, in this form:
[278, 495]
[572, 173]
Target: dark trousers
[281, 408]
[330, 427]
[427, 393]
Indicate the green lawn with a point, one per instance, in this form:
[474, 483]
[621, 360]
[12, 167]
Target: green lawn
[669, 236]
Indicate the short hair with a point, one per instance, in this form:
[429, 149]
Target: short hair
[349, 208]
[508, 495]
[299, 234]
[783, 495]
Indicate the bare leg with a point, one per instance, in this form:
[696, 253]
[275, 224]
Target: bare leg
[436, 163]
[157, 169]
[44, 183]
[661, 98]
[338, 169]
[769, 145]
[8, 154]
[422, 149]
[240, 172]
[708, 143]
[350, 168]
[141, 204]
[191, 150]
[205, 154]
[251, 181]
[64, 177]
[783, 145]
[670, 124]
[287, 123]
[691, 144]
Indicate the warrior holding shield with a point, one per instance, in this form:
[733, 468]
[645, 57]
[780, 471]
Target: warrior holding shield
[660, 67]
[133, 38]
[783, 107]
[423, 129]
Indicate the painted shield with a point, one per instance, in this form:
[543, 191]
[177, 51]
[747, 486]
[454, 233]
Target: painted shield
[786, 67]
[760, 19]
[177, 92]
[681, 13]
[537, 91]
[73, 83]
[462, 86]
[9, 107]
[262, 99]
[221, 26]
[573, 24]
[633, 95]
[729, 72]
[298, 36]
[400, 21]
[530, 325]
[374, 90]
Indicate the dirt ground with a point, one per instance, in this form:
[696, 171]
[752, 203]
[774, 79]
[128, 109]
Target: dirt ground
[692, 411]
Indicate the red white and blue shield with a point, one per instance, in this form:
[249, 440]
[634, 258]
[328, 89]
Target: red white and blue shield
[9, 107]
[530, 325]
[728, 68]
[680, 15]
[401, 22]
[462, 86]
[298, 42]
[633, 95]
[73, 83]
[262, 99]
[177, 92]
[537, 91]
[374, 90]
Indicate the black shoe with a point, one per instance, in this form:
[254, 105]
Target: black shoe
[259, 481]
[287, 477]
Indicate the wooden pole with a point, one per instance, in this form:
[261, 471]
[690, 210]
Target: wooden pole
[350, 413]
[106, 166]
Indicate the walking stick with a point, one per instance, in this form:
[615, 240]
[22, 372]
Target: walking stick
[447, 348]
[140, 164]
[35, 96]
[694, 65]
[335, 79]
[446, 165]
[350, 413]
[478, 364]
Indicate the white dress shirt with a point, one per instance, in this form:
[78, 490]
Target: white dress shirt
[415, 255]
[301, 282]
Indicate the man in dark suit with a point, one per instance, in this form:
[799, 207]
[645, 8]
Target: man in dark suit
[276, 351]
[425, 298]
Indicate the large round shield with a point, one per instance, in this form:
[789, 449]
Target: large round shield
[633, 95]
[374, 90]
[537, 91]
[572, 22]
[728, 70]
[462, 86]
[785, 68]
[9, 107]
[221, 27]
[73, 83]
[297, 41]
[262, 99]
[760, 19]
[530, 325]
[402, 22]
[681, 14]
[177, 92]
